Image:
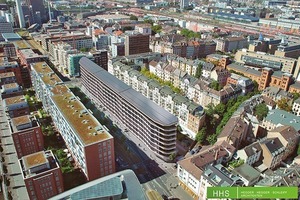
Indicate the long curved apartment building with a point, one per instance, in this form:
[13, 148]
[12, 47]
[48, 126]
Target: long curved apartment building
[151, 123]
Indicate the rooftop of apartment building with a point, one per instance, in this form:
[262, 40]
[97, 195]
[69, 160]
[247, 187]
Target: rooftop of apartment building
[289, 176]
[22, 122]
[47, 74]
[287, 132]
[218, 175]
[7, 75]
[37, 163]
[241, 68]
[216, 56]
[146, 106]
[276, 93]
[234, 130]
[85, 125]
[143, 25]
[247, 172]
[227, 90]
[21, 44]
[120, 183]
[196, 163]
[273, 145]
[29, 53]
[281, 117]
[10, 86]
[4, 62]
[14, 100]
[234, 38]
[266, 55]
[252, 149]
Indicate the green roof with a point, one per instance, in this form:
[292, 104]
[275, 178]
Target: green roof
[247, 172]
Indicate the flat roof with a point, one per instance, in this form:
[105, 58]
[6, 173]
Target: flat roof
[34, 159]
[136, 99]
[48, 75]
[10, 36]
[247, 172]
[17, 121]
[86, 126]
[10, 85]
[14, 100]
[29, 53]
[21, 44]
[7, 74]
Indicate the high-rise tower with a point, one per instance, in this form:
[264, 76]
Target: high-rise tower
[20, 14]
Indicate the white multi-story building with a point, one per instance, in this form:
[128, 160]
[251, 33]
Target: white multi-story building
[190, 171]
[90, 143]
[143, 28]
[296, 107]
[251, 153]
[146, 120]
[217, 176]
[61, 52]
[76, 41]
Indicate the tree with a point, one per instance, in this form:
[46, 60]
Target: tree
[133, 17]
[156, 28]
[220, 109]
[215, 85]
[84, 49]
[284, 104]
[295, 96]
[172, 156]
[149, 21]
[261, 111]
[212, 139]
[210, 111]
[199, 71]
[200, 137]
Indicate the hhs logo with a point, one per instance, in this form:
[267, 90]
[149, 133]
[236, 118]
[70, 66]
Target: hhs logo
[220, 193]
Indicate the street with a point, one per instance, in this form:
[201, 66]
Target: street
[131, 153]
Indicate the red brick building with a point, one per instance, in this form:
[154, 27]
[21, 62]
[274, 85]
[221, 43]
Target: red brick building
[27, 135]
[42, 175]
[28, 56]
[8, 67]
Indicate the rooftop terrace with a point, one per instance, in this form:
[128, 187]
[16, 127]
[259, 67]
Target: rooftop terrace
[35, 159]
[37, 163]
[48, 75]
[10, 85]
[21, 44]
[7, 75]
[14, 100]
